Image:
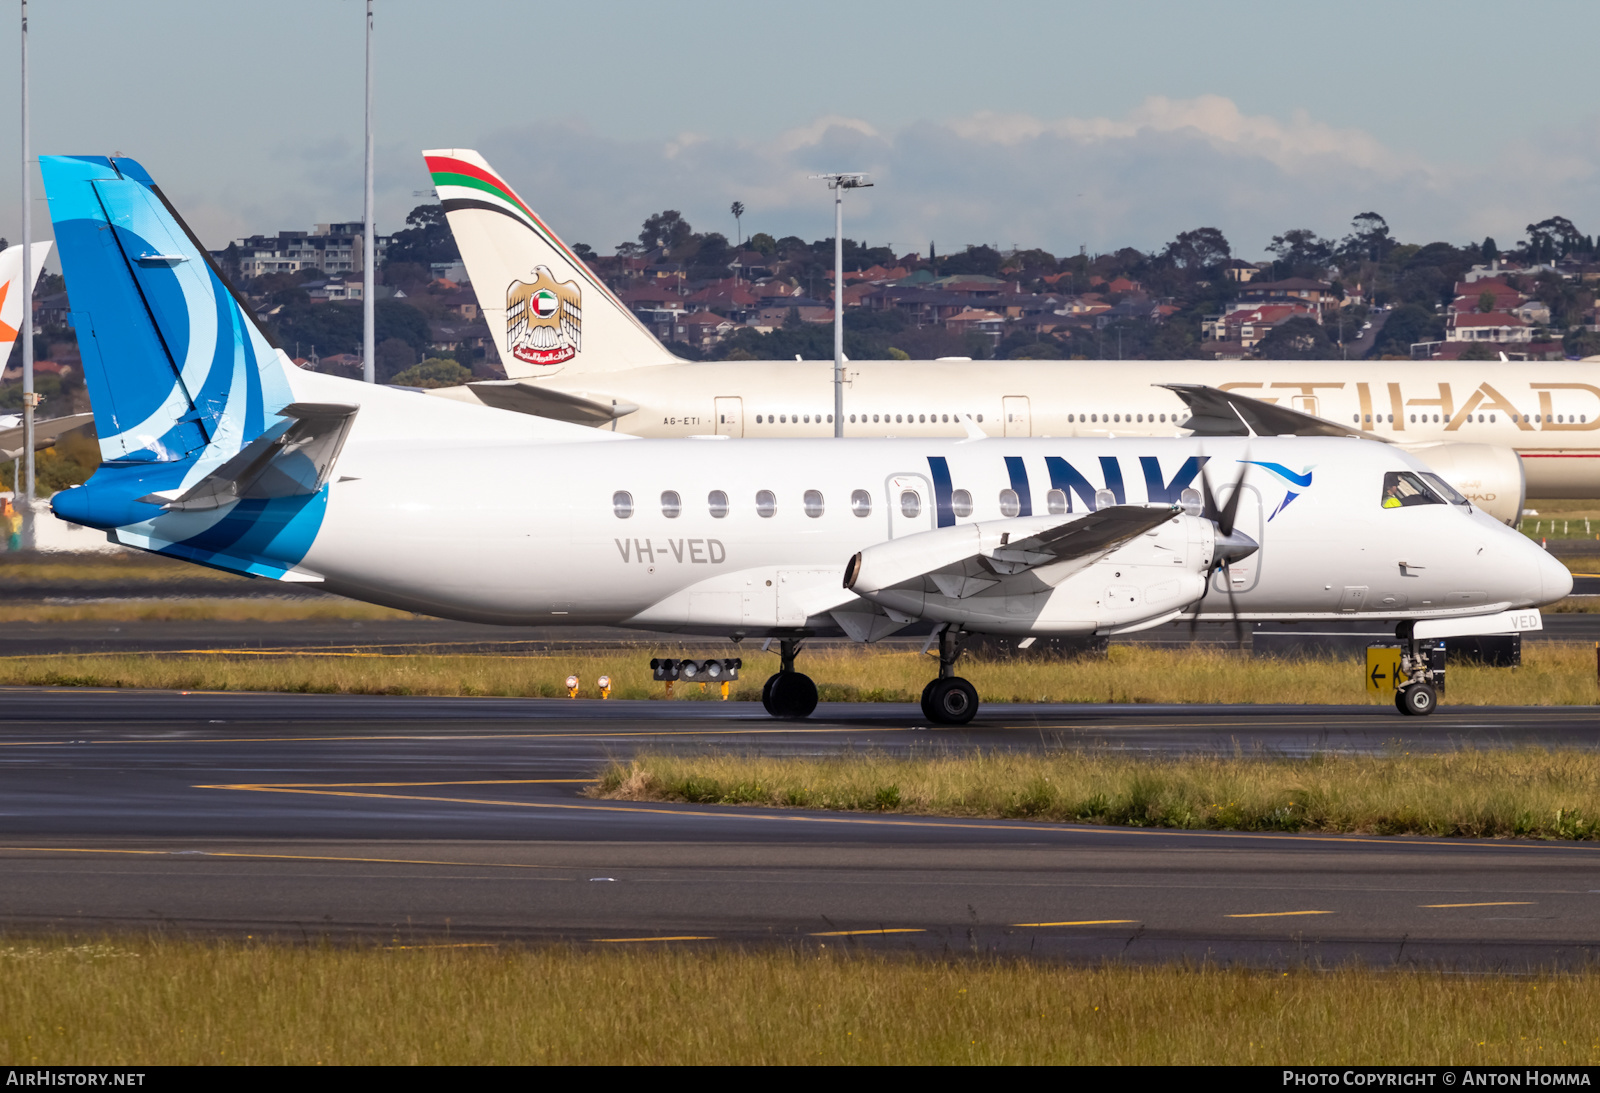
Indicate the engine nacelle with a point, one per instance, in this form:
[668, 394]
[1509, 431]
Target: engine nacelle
[1151, 577]
[1489, 476]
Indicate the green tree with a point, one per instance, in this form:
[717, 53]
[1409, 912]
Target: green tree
[433, 372]
[1406, 325]
[1297, 339]
[737, 209]
[427, 240]
[666, 229]
[762, 243]
[1199, 249]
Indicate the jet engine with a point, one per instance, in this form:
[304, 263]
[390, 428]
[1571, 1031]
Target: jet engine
[1490, 477]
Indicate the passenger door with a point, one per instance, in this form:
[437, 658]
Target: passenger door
[1018, 421]
[730, 416]
[1250, 519]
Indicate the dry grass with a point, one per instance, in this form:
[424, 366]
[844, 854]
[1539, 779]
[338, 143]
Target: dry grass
[1551, 674]
[221, 609]
[97, 568]
[1528, 793]
[147, 1003]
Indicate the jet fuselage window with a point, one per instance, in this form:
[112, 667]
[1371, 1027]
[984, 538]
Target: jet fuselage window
[671, 504]
[1009, 505]
[961, 503]
[1056, 502]
[813, 503]
[717, 503]
[910, 503]
[1404, 489]
[622, 504]
[766, 503]
[861, 503]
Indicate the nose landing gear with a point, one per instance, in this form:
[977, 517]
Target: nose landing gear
[949, 699]
[788, 694]
[1421, 675]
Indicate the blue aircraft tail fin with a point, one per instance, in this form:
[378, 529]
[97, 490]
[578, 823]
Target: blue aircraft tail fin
[174, 362]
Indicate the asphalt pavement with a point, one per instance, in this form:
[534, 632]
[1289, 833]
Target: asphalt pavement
[428, 819]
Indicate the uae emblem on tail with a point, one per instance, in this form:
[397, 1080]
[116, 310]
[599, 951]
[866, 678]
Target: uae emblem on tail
[543, 319]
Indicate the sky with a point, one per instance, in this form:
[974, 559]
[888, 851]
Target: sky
[1058, 125]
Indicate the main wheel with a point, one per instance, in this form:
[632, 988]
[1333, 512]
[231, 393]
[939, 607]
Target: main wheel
[927, 700]
[789, 694]
[1400, 702]
[1420, 699]
[952, 701]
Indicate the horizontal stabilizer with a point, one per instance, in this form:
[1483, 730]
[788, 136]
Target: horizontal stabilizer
[291, 459]
[965, 560]
[540, 401]
[1228, 413]
[45, 433]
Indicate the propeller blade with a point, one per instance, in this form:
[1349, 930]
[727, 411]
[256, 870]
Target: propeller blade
[1233, 608]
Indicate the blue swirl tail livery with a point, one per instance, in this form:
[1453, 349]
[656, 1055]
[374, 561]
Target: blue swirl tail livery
[215, 447]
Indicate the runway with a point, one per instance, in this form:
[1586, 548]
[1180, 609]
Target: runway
[425, 820]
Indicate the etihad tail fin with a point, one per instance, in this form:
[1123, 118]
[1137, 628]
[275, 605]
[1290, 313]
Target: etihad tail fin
[548, 312]
[14, 295]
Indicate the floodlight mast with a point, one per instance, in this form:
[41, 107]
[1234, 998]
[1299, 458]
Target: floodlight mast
[30, 399]
[368, 248]
[839, 183]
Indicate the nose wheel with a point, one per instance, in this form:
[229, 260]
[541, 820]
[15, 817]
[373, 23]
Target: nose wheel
[1417, 700]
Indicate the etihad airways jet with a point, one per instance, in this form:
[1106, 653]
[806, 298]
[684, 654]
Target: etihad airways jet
[219, 451]
[575, 353]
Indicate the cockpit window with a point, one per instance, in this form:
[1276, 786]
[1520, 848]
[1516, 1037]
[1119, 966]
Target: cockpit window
[1403, 489]
[1445, 489]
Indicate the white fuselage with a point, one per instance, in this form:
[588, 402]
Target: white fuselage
[1549, 413]
[489, 520]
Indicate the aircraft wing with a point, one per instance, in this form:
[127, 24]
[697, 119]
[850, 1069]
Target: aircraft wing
[541, 401]
[292, 459]
[45, 433]
[967, 559]
[1229, 413]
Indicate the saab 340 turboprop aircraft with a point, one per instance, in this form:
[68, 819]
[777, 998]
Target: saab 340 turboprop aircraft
[574, 352]
[218, 450]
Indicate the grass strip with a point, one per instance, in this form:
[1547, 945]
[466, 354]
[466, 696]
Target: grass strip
[165, 1002]
[1552, 675]
[1521, 793]
[201, 608]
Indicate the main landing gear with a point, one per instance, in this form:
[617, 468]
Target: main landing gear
[789, 694]
[949, 699]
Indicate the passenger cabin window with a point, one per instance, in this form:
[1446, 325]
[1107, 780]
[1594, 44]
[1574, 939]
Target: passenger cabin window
[766, 503]
[1009, 505]
[961, 503]
[861, 503]
[671, 504]
[910, 503]
[622, 504]
[1056, 502]
[813, 503]
[1403, 489]
[717, 503]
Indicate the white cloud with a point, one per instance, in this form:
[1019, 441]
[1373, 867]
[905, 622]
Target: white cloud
[1166, 166]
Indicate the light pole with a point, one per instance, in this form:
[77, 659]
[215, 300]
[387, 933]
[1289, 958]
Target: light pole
[368, 249]
[29, 399]
[839, 183]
